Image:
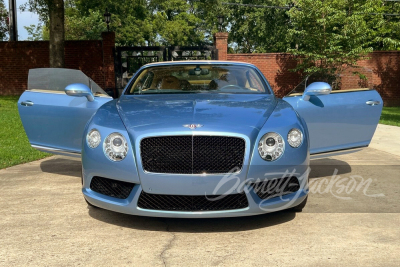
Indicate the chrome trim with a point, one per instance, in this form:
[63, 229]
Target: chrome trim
[27, 103]
[57, 151]
[336, 153]
[194, 174]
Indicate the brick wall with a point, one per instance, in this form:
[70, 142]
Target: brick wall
[91, 57]
[384, 67]
[382, 71]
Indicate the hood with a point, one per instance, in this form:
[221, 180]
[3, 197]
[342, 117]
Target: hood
[160, 113]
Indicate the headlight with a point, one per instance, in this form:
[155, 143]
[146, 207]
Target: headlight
[115, 147]
[271, 146]
[295, 138]
[93, 138]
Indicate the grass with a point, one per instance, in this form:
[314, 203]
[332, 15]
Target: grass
[14, 144]
[390, 116]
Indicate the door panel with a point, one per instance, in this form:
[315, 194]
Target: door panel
[56, 120]
[340, 120]
[53, 121]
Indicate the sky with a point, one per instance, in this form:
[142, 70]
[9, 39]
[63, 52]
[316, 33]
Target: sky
[24, 19]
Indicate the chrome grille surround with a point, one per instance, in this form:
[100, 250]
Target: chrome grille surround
[192, 154]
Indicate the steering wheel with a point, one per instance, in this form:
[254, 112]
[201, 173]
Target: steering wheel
[230, 85]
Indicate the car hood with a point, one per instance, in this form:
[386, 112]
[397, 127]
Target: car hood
[163, 113]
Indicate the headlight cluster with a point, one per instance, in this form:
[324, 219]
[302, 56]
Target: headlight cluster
[115, 146]
[271, 146]
[295, 138]
[93, 138]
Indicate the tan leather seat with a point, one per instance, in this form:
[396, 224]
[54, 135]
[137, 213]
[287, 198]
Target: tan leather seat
[170, 82]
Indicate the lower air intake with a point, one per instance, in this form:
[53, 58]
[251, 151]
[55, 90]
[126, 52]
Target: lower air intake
[276, 187]
[192, 203]
[110, 187]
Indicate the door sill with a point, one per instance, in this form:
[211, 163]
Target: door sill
[336, 153]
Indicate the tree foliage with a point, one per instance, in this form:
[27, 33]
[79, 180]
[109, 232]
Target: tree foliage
[331, 35]
[256, 29]
[3, 22]
[327, 35]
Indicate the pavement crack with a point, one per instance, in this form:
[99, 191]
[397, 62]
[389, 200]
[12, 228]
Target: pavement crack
[169, 245]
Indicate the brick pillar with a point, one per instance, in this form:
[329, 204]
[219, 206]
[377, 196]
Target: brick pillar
[108, 59]
[221, 44]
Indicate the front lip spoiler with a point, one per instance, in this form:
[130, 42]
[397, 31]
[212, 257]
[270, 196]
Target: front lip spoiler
[52, 150]
[129, 205]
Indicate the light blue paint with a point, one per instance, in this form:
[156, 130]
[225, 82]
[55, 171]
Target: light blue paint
[329, 122]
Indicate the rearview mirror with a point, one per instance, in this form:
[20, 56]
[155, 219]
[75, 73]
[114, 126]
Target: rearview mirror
[79, 89]
[317, 88]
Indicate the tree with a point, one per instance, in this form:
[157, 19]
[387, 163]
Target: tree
[177, 22]
[131, 20]
[329, 36]
[84, 27]
[3, 22]
[258, 29]
[35, 32]
[386, 34]
[51, 12]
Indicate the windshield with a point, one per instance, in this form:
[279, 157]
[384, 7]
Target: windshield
[198, 78]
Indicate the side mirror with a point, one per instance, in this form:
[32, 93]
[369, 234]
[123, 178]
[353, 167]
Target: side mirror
[79, 89]
[317, 88]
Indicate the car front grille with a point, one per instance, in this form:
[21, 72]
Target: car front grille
[110, 187]
[276, 187]
[192, 203]
[192, 154]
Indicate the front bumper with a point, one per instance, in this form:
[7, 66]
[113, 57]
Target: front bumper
[256, 205]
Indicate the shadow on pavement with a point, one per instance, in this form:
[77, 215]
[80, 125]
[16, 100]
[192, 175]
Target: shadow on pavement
[191, 225]
[326, 167]
[62, 166]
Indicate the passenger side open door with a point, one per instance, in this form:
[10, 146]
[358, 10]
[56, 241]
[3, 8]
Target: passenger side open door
[54, 121]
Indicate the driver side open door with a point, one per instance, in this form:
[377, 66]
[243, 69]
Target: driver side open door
[340, 120]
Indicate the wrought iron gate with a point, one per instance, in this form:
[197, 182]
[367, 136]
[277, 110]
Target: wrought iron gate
[128, 60]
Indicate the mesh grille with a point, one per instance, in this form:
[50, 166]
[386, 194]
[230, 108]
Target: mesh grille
[112, 188]
[192, 154]
[191, 203]
[276, 187]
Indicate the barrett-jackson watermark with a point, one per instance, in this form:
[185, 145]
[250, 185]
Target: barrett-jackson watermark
[282, 185]
[337, 186]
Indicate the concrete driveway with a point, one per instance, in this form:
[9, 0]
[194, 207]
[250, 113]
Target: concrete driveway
[45, 221]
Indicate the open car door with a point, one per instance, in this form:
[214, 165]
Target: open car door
[337, 120]
[54, 121]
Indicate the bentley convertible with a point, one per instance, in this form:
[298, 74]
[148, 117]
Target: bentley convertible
[194, 139]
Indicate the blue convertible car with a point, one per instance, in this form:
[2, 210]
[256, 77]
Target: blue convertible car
[194, 139]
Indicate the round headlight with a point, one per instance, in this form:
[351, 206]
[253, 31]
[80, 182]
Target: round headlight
[93, 138]
[115, 147]
[271, 146]
[295, 138]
